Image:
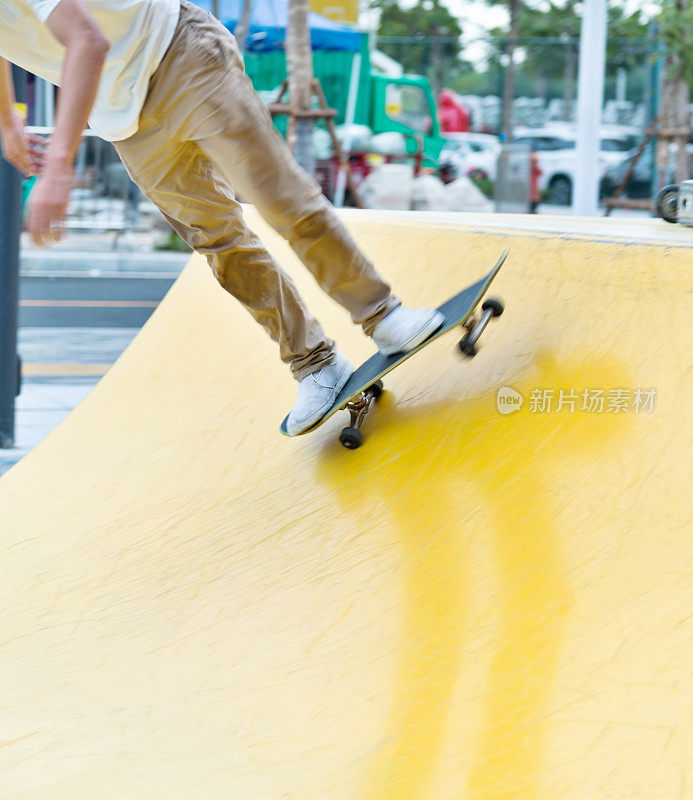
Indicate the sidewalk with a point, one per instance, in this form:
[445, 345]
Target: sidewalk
[96, 257]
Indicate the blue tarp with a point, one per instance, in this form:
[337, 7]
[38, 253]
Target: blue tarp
[268, 22]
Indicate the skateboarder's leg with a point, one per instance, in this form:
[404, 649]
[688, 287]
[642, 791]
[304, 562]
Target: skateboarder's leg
[202, 83]
[258, 163]
[200, 206]
[200, 102]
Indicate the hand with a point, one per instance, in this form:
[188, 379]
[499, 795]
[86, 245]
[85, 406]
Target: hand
[48, 204]
[21, 149]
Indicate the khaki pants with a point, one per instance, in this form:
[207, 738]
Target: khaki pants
[204, 133]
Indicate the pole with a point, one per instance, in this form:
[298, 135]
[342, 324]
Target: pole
[10, 214]
[509, 78]
[348, 123]
[589, 111]
[655, 72]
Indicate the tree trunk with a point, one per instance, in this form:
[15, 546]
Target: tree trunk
[509, 80]
[570, 65]
[437, 67]
[299, 63]
[674, 114]
[683, 161]
[243, 26]
[569, 80]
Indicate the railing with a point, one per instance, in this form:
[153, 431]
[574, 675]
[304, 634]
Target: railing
[104, 198]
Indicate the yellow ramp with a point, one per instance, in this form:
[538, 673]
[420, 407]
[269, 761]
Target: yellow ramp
[473, 606]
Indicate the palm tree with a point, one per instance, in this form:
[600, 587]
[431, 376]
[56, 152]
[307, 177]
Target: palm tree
[243, 25]
[674, 115]
[299, 63]
[570, 72]
[509, 78]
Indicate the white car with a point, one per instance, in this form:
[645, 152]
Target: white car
[555, 147]
[471, 153]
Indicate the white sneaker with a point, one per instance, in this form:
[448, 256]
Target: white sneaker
[405, 328]
[317, 393]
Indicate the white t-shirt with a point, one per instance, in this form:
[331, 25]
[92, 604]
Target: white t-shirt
[139, 32]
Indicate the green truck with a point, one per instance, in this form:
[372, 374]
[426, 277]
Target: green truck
[404, 104]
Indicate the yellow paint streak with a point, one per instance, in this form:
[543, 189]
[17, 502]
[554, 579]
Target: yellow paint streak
[484, 449]
[535, 591]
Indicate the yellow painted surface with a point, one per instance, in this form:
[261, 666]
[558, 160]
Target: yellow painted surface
[472, 606]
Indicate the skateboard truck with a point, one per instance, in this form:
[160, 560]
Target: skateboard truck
[477, 325]
[351, 436]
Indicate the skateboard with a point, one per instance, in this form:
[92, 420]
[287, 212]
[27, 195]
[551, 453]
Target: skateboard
[365, 384]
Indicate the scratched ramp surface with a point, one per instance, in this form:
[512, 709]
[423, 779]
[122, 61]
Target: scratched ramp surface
[473, 605]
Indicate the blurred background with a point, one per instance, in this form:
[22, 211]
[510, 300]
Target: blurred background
[427, 105]
[465, 106]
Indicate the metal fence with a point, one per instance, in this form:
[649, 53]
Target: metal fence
[103, 199]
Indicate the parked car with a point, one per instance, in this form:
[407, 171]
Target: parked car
[640, 182]
[555, 147]
[471, 154]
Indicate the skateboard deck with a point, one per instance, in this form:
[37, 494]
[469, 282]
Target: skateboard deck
[365, 385]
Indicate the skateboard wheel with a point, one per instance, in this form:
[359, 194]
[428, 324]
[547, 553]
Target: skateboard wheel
[377, 388]
[494, 305]
[466, 348]
[667, 203]
[351, 438]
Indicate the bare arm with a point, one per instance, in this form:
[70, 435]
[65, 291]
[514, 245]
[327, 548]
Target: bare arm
[85, 52]
[17, 148]
[6, 93]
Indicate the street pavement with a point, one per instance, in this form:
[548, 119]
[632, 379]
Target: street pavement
[93, 302]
